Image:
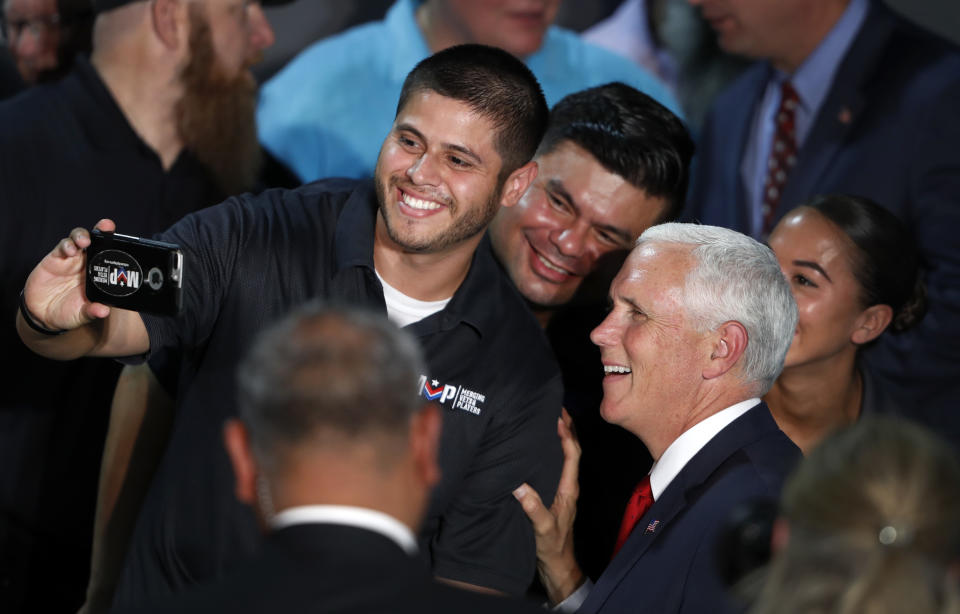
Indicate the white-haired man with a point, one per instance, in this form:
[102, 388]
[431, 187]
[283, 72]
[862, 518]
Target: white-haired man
[701, 321]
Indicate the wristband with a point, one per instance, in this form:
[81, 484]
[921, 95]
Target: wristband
[33, 323]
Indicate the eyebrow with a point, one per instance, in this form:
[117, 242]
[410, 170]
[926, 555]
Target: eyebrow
[814, 266]
[611, 300]
[461, 149]
[555, 185]
[632, 304]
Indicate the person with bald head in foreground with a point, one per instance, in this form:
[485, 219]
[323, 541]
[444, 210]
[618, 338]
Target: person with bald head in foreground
[337, 453]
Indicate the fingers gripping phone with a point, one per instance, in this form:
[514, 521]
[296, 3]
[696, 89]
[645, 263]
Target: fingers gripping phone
[134, 273]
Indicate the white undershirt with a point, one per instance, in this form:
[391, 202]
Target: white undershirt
[348, 515]
[403, 310]
[670, 463]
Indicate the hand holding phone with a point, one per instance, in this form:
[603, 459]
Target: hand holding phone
[133, 273]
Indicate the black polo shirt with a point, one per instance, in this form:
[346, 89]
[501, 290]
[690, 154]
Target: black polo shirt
[247, 262]
[68, 157]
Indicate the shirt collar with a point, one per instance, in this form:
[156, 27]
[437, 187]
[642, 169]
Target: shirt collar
[348, 515]
[691, 441]
[477, 302]
[813, 79]
[355, 229]
[105, 124]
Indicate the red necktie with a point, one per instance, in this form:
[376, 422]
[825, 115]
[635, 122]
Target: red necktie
[640, 501]
[783, 154]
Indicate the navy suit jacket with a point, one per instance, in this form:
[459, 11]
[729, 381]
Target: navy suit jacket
[889, 129]
[334, 569]
[670, 563]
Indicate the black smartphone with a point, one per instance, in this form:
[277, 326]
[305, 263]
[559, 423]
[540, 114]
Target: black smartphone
[134, 273]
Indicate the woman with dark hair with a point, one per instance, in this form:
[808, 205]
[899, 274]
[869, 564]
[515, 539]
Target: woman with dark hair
[854, 272]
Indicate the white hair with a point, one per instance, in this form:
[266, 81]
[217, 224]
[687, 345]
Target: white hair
[736, 278]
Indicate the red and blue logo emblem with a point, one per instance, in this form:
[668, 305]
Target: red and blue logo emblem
[458, 397]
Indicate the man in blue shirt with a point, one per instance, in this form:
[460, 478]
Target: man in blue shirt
[325, 114]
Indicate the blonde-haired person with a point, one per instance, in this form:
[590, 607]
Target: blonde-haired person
[869, 524]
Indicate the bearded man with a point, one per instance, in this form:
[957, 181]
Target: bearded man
[158, 123]
[44, 36]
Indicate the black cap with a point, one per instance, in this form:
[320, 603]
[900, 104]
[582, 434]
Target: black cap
[102, 6]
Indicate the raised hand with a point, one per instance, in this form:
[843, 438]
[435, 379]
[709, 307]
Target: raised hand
[553, 528]
[54, 293]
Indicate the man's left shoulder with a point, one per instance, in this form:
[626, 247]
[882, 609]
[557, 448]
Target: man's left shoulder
[515, 332]
[914, 61]
[760, 457]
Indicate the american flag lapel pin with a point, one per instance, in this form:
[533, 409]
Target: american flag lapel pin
[652, 527]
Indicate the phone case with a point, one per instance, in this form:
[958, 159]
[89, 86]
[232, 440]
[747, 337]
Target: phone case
[134, 273]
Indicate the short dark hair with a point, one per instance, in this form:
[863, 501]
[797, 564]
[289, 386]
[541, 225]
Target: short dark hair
[886, 262]
[341, 370]
[495, 85]
[631, 135]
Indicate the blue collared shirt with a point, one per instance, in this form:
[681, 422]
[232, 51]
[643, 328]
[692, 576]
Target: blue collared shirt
[812, 81]
[327, 112]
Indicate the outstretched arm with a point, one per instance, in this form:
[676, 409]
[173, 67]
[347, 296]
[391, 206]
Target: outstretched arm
[553, 528]
[140, 420]
[55, 301]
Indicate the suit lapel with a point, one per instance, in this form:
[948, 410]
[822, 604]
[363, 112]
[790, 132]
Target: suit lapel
[752, 425]
[663, 511]
[840, 112]
[738, 132]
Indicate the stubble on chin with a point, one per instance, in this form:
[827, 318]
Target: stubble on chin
[460, 229]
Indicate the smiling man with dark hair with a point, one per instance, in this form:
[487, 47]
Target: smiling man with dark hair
[613, 162]
[409, 244]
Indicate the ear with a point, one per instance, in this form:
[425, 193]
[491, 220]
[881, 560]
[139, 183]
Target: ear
[236, 439]
[517, 183]
[168, 18]
[728, 343]
[780, 535]
[425, 428]
[873, 321]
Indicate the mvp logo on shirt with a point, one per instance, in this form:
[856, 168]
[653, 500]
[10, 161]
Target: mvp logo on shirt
[450, 396]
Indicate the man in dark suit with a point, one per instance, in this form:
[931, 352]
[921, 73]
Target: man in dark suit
[337, 454]
[701, 321]
[874, 113]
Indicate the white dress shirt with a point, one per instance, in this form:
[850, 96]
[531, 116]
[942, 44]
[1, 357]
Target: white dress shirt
[348, 515]
[670, 463]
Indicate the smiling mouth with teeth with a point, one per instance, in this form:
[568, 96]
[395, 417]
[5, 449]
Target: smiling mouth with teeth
[552, 266]
[418, 203]
[608, 369]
